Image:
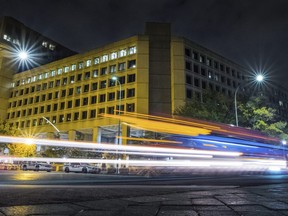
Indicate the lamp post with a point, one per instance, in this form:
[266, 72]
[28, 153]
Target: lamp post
[119, 123]
[259, 78]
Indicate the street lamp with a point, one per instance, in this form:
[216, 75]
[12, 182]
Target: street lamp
[119, 113]
[259, 78]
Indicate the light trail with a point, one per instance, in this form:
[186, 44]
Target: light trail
[240, 164]
[157, 154]
[58, 143]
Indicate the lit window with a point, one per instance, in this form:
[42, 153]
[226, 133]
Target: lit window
[40, 76]
[96, 60]
[132, 50]
[53, 73]
[88, 63]
[122, 53]
[113, 55]
[44, 43]
[51, 47]
[80, 65]
[73, 67]
[59, 71]
[66, 69]
[104, 58]
[46, 75]
[95, 73]
[122, 66]
[112, 68]
[6, 37]
[33, 79]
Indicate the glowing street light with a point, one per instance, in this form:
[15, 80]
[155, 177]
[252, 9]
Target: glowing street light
[259, 78]
[23, 55]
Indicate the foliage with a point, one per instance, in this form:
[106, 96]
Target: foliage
[256, 115]
[22, 150]
[18, 150]
[215, 107]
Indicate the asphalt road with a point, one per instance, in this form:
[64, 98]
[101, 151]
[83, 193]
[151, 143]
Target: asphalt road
[23, 188]
[20, 178]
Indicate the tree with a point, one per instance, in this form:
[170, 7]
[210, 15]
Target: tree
[257, 115]
[215, 107]
[18, 150]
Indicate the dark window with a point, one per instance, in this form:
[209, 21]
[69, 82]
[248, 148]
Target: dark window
[189, 93]
[188, 65]
[102, 98]
[64, 81]
[196, 68]
[61, 118]
[87, 75]
[204, 85]
[103, 71]
[130, 107]
[94, 86]
[51, 84]
[195, 55]
[110, 110]
[72, 79]
[131, 92]
[69, 104]
[101, 110]
[111, 96]
[92, 113]
[188, 79]
[55, 107]
[63, 93]
[76, 115]
[78, 90]
[70, 91]
[68, 117]
[196, 82]
[122, 95]
[77, 102]
[79, 77]
[93, 99]
[49, 96]
[85, 101]
[103, 84]
[84, 115]
[57, 83]
[131, 78]
[132, 64]
[86, 88]
[48, 108]
[62, 105]
[188, 52]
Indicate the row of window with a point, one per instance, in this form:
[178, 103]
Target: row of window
[75, 116]
[203, 71]
[110, 96]
[197, 81]
[199, 57]
[211, 86]
[84, 88]
[86, 64]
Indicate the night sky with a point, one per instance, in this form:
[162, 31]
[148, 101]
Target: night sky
[253, 33]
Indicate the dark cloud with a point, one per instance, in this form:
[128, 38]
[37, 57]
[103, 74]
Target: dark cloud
[248, 32]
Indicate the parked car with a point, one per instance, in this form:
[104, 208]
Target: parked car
[81, 167]
[37, 166]
[8, 166]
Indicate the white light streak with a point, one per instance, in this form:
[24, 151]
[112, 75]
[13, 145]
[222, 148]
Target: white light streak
[58, 143]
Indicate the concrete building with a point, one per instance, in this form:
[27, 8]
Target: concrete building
[157, 73]
[14, 38]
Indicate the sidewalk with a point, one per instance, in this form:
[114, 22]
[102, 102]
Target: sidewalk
[196, 200]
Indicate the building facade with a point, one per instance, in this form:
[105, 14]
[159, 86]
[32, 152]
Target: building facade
[14, 38]
[156, 73]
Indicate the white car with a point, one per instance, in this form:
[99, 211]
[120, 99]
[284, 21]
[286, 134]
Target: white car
[80, 167]
[37, 166]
